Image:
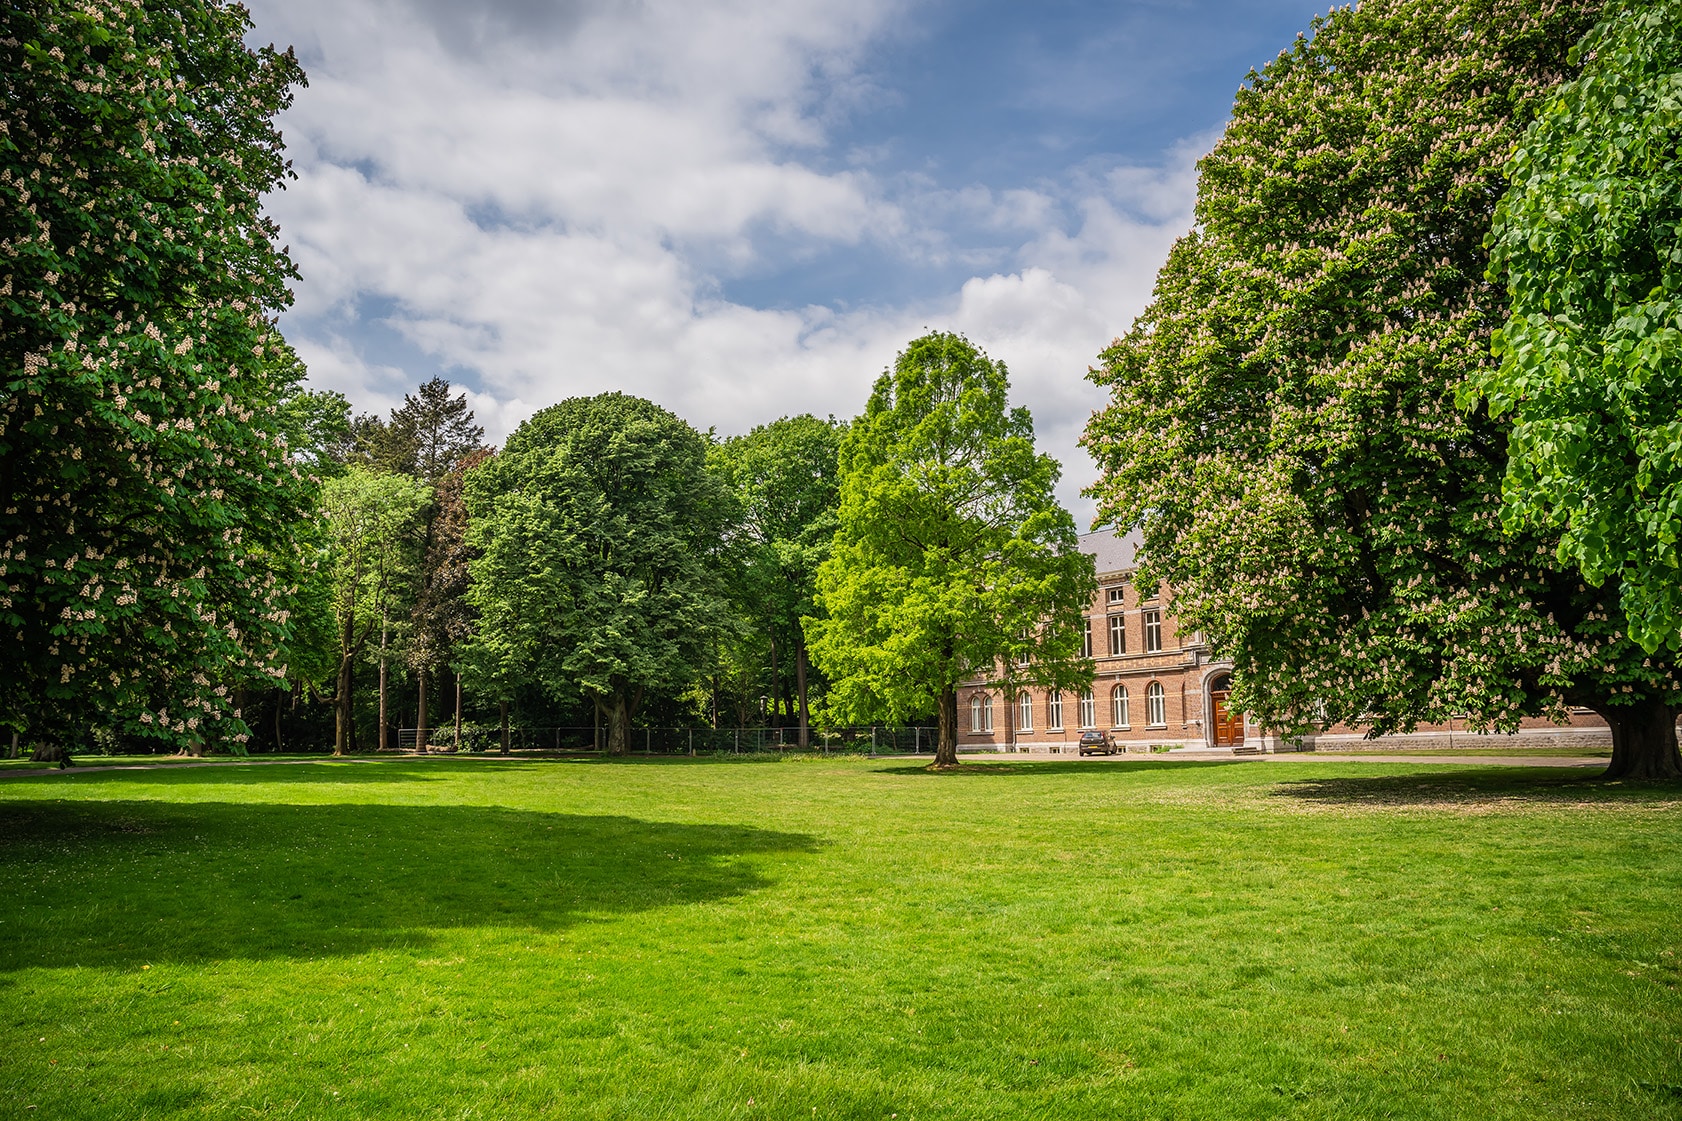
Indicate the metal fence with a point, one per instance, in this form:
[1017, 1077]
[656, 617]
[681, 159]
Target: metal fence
[530, 739]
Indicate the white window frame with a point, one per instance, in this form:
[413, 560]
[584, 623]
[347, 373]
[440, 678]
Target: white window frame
[1156, 705]
[1086, 637]
[1117, 594]
[1153, 629]
[1118, 629]
[1024, 711]
[980, 714]
[1054, 711]
[1088, 709]
[1121, 707]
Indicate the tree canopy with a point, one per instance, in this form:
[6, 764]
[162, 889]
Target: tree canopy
[1283, 423]
[785, 480]
[599, 527]
[953, 557]
[145, 554]
[1588, 241]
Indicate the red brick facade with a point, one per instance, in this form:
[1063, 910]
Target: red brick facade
[1172, 694]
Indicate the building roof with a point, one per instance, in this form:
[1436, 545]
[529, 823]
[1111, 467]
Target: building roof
[1110, 552]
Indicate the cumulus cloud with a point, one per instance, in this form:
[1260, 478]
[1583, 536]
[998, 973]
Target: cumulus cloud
[548, 199]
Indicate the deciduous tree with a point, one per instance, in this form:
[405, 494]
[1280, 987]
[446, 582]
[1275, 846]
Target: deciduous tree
[953, 557]
[373, 522]
[1283, 423]
[785, 479]
[599, 527]
[1589, 244]
[145, 496]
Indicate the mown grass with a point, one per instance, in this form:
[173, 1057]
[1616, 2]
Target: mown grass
[441, 938]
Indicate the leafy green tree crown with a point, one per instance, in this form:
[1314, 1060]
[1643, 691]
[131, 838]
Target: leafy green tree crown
[599, 526]
[953, 557]
[1283, 424]
[1589, 244]
[146, 487]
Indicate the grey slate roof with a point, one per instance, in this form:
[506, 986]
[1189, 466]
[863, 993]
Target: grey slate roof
[1110, 552]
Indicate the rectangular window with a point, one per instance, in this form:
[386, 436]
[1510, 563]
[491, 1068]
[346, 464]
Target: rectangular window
[1054, 711]
[1118, 595]
[1088, 710]
[1086, 638]
[1118, 634]
[1153, 629]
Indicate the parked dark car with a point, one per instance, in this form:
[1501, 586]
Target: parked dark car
[1096, 743]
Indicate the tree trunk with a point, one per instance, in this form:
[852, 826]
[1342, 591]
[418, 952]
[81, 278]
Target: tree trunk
[946, 746]
[504, 713]
[279, 696]
[776, 685]
[384, 742]
[1643, 741]
[458, 712]
[619, 724]
[800, 688]
[13, 753]
[420, 720]
[341, 707]
[52, 751]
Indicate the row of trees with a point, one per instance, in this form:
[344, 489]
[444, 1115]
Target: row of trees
[187, 534]
[1400, 425]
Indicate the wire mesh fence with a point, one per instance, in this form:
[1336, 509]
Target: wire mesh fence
[528, 739]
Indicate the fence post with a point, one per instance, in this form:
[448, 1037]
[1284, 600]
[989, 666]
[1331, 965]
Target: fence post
[873, 739]
[738, 748]
[691, 741]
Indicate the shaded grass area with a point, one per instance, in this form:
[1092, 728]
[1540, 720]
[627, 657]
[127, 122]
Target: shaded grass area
[839, 938]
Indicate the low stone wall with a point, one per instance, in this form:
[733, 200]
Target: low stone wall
[1519, 741]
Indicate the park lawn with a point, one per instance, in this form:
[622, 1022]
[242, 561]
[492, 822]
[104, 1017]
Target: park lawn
[448, 938]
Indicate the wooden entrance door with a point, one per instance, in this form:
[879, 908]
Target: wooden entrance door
[1229, 725]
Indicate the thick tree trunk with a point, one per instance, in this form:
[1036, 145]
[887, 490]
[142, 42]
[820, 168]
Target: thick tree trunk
[420, 719]
[279, 696]
[619, 724]
[1643, 741]
[52, 751]
[503, 711]
[13, 753]
[946, 746]
[800, 687]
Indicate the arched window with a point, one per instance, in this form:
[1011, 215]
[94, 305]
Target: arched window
[1088, 710]
[1156, 705]
[981, 713]
[1119, 705]
[1054, 711]
[1024, 712]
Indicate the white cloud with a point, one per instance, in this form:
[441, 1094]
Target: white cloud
[541, 197]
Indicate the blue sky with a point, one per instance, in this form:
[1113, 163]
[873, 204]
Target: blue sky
[742, 210]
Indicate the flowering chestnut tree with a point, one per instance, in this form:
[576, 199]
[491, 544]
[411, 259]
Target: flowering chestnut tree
[1589, 243]
[1283, 422]
[145, 489]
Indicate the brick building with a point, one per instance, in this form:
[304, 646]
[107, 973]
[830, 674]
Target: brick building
[1156, 687]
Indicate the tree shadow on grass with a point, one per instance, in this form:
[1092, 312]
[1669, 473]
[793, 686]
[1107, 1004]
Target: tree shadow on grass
[137, 882]
[1478, 790]
[328, 771]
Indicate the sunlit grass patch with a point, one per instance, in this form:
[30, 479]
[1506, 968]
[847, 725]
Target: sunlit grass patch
[839, 938]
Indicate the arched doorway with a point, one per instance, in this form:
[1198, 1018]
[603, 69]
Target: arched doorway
[1228, 726]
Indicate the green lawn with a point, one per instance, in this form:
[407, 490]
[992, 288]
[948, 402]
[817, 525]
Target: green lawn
[446, 938]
